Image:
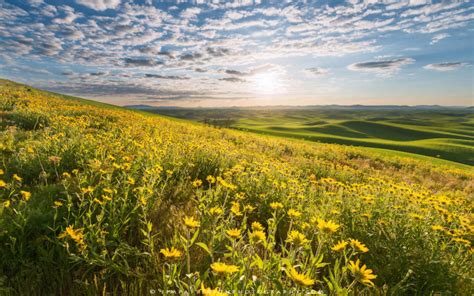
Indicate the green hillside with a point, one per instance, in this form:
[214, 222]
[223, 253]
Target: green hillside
[441, 132]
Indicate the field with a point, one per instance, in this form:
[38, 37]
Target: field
[100, 200]
[441, 132]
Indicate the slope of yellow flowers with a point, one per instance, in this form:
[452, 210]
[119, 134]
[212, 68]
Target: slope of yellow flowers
[98, 200]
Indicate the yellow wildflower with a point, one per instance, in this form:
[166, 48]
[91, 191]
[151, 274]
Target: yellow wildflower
[299, 278]
[276, 205]
[297, 238]
[294, 213]
[462, 241]
[216, 211]
[17, 178]
[197, 183]
[57, 204]
[358, 246]
[340, 246]
[89, 189]
[3, 184]
[235, 209]
[361, 274]
[327, 226]
[240, 195]
[211, 179]
[257, 236]
[108, 190]
[211, 292]
[26, 195]
[304, 225]
[234, 233]
[222, 268]
[171, 253]
[249, 208]
[190, 222]
[415, 216]
[76, 235]
[6, 204]
[257, 226]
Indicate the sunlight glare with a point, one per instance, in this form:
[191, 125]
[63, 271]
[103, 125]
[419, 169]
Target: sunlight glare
[267, 83]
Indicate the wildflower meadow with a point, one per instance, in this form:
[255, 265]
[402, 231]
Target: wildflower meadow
[99, 200]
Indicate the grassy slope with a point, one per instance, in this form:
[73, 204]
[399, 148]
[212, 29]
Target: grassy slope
[413, 141]
[444, 133]
[85, 150]
[374, 152]
[445, 144]
[431, 147]
[12, 84]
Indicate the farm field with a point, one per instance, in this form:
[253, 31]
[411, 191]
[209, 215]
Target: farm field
[441, 132]
[101, 200]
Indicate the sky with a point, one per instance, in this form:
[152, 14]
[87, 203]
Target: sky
[246, 53]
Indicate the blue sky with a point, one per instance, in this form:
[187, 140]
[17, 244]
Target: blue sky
[243, 53]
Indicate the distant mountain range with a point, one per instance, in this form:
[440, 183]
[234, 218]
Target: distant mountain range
[148, 107]
[344, 107]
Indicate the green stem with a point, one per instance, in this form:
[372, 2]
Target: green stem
[352, 285]
[188, 258]
[320, 245]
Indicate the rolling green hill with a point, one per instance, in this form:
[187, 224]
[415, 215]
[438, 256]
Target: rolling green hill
[441, 132]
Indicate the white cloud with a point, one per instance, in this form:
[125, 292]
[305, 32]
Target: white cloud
[438, 37]
[49, 10]
[418, 2]
[412, 49]
[190, 13]
[316, 71]
[136, 37]
[234, 15]
[35, 2]
[384, 67]
[99, 4]
[69, 17]
[300, 28]
[448, 66]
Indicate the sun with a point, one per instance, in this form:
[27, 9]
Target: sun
[267, 83]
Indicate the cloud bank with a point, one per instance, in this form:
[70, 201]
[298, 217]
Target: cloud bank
[381, 66]
[209, 47]
[448, 66]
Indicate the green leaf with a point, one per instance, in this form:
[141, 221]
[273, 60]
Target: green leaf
[286, 262]
[257, 261]
[204, 247]
[193, 239]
